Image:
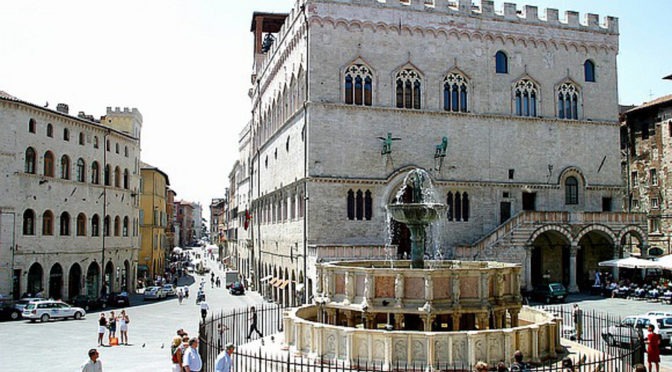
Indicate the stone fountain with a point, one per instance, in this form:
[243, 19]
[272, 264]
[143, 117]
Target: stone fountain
[447, 313]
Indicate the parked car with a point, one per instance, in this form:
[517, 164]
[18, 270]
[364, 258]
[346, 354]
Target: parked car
[21, 304]
[8, 311]
[88, 303]
[154, 293]
[51, 309]
[550, 292]
[633, 327]
[117, 299]
[169, 290]
[237, 288]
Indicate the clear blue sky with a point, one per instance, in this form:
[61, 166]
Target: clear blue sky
[186, 66]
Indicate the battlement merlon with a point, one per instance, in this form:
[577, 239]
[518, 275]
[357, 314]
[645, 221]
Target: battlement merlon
[509, 12]
[125, 111]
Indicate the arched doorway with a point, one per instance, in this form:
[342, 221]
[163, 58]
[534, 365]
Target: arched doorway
[596, 246]
[108, 280]
[550, 258]
[56, 282]
[74, 280]
[93, 280]
[35, 275]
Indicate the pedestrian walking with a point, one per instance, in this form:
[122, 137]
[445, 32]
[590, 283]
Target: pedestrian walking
[191, 361]
[186, 292]
[112, 326]
[176, 354]
[223, 363]
[253, 324]
[102, 326]
[93, 364]
[204, 309]
[653, 348]
[218, 283]
[577, 314]
[212, 281]
[123, 326]
[180, 296]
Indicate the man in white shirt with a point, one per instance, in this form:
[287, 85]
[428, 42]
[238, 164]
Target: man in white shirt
[223, 363]
[191, 361]
[204, 309]
[93, 364]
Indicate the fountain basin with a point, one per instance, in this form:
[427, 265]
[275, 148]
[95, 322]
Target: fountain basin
[416, 213]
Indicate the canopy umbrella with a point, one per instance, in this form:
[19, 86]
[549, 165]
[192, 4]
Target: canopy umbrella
[665, 262]
[177, 250]
[631, 263]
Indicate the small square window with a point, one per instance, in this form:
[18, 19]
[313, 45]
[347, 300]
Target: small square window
[511, 172]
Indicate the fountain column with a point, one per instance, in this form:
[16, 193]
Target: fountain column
[417, 246]
[514, 317]
[398, 321]
[349, 288]
[528, 267]
[573, 250]
[456, 320]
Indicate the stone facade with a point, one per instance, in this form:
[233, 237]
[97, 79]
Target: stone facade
[69, 210]
[347, 98]
[646, 144]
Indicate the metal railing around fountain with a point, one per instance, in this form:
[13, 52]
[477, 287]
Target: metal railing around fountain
[233, 326]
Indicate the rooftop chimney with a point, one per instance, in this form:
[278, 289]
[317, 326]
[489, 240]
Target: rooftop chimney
[63, 108]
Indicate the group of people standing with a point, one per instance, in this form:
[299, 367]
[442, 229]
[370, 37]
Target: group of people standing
[110, 324]
[185, 357]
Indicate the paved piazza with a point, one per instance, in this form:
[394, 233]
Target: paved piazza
[62, 345]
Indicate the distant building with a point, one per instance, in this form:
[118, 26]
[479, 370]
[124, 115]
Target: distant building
[646, 144]
[185, 223]
[153, 222]
[68, 200]
[170, 211]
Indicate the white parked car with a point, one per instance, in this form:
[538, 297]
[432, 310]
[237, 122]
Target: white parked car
[51, 309]
[154, 293]
[169, 290]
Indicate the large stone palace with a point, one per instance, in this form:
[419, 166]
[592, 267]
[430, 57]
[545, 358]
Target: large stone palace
[513, 113]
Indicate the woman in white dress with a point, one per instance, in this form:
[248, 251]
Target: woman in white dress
[123, 321]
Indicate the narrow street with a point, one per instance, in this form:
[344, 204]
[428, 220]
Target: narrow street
[62, 345]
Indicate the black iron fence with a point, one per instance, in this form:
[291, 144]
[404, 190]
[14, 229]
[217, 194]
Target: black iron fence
[234, 326]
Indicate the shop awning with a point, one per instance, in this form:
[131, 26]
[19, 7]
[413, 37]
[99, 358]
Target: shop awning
[278, 283]
[630, 263]
[273, 281]
[283, 284]
[266, 278]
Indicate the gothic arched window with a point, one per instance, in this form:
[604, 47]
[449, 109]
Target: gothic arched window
[571, 190]
[65, 224]
[81, 224]
[65, 167]
[30, 160]
[568, 98]
[589, 70]
[49, 164]
[449, 205]
[501, 63]
[95, 173]
[409, 89]
[48, 223]
[525, 93]
[81, 170]
[368, 205]
[359, 200]
[95, 225]
[351, 205]
[29, 222]
[455, 93]
[358, 85]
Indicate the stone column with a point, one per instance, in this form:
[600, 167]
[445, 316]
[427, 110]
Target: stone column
[398, 321]
[535, 343]
[368, 288]
[455, 280]
[483, 289]
[349, 288]
[573, 250]
[331, 316]
[318, 282]
[427, 320]
[399, 291]
[644, 248]
[429, 291]
[350, 316]
[370, 321]
[617, 255]
[528, 267]
[482, 321]
[513, 313]
[456, 316]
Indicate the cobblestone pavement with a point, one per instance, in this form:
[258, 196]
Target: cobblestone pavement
[62, 345]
